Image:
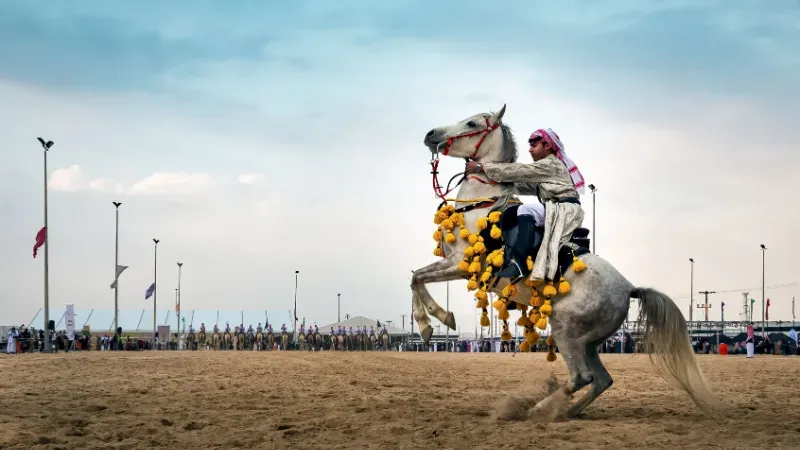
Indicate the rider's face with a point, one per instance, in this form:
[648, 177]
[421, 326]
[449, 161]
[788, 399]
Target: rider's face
[538, 148]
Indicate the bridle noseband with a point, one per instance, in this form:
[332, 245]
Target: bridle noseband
[437, 188]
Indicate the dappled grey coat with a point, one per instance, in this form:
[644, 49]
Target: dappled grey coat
[551, 177]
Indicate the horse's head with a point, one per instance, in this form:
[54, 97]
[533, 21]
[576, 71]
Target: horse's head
[481, 137]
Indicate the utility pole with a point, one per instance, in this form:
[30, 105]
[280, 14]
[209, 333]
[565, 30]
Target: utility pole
[706, 305]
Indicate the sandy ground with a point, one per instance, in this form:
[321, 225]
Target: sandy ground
[376, 400]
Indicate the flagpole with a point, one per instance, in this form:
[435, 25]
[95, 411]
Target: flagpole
[296, 272]
[763, 287]
[46, 146]
[155, 286]
[178, 299]
[116, 265]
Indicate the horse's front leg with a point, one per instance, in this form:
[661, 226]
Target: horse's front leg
[447, 274]
[420, 307]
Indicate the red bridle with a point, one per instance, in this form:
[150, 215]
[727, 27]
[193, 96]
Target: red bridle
[437, 188]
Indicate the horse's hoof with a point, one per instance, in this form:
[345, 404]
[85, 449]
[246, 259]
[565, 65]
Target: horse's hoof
[450, 321]
[426, 334]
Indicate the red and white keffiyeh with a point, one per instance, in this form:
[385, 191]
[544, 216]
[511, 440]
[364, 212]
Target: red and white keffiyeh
[550, 136]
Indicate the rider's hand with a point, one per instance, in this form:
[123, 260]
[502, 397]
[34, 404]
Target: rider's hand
[473, 167]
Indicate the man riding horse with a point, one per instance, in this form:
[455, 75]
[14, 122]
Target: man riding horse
[541, 227]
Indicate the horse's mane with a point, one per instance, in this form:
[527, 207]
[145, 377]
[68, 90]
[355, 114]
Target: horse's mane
[508, 153]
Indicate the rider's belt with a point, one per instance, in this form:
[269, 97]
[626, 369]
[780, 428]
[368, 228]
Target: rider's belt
[566, 200]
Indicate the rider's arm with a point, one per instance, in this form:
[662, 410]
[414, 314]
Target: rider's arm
[534, 172]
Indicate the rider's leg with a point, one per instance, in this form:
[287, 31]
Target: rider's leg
[530, 219]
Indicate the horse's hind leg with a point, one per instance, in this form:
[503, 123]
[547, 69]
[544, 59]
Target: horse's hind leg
[420, 315]
[580, 374]
[600, 379]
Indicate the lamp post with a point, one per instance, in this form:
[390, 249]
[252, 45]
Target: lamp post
[447, 329]
[338, 307]
[155, 285]
[691, 289]
[116, 264]
[594, 222]
[178, 300]
[763, 288]
[46, 147]
[294, 333]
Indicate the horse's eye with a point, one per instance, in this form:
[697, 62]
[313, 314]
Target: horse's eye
[472, 124]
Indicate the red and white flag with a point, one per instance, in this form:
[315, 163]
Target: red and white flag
[41, 236]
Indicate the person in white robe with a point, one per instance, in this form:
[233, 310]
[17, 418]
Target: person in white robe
[12, 341]
[557, 182]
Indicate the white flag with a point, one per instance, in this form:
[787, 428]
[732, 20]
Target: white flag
[120, 269]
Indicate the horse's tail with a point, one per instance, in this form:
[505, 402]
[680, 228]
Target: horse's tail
[666, 335]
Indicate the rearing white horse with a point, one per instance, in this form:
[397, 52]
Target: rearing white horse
[581, 320]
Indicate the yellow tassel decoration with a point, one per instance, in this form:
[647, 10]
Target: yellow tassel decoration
[437, 235]
[499, 303]
[546, 309]
[551, 356]
[464, 233]
[578, 265]
[532, 337]
[503, 314]
[505, 335]
[550, 341]
[542, 323]
[483, 222]
[530, 263]
[472, 284]
[448, 224]
[483, 303]
[485, 318]
[463, 265]
[458, 219]
[534, 316]
[469, 252]
[450, 238]
[563, 286]
[482, 295]
[479, 247]
[473, 238]
[536, 300]
[524, 346]
[437, 251]
[523, 321]
[496, 233]
[497, 261]
[494, 216]
[549, 291]
[510, 291]
[475, 265]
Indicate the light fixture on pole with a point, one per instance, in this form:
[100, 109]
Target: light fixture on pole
[46, 147]
[178, 300]
[594, 222]
[116, 265]
[294, 332]
[691, 289]
[338, 307]
[155, 286]
[763, 290]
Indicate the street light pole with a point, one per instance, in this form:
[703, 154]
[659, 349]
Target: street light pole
[116, 264]
[155, 287]
[46, 146]
[594, 222]
[339, 307]
[294, 333]
[178, 300]
[691, 290]
[763, 288]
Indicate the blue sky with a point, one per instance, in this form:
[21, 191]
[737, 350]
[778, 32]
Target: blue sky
[209, 119]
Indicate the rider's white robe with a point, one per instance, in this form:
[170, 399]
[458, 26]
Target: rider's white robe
[12, 342]
[551, 177]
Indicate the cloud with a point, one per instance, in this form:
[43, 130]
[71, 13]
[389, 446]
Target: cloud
[250, 178]
[174, 183]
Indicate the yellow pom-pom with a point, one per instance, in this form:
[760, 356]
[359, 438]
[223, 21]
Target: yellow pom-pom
[496, 233]
[475, 265]
[469, 252]
[523, 321]
[578, 265]
[473, 238]
[534, 316]
[463, 265]
[532, 337]
[464, 233]
[479, 247]
[505, 335]
[482, 302]
[437, 219]
[551, 356]
[530, 263]
[486, 275]
[524, 346]
[503, 314]
[510, 291]
[546, 309]
[450, 238]
[550, 341]
[494, 216]
[541, 323]
[458, 219]
[472, 284]
[485, 318]
[449, 208]
[499, 304]
[437, 235]
[536, 299]
[442, 215]
[483, 222]
[563, 286]
[549, 291]
[448, 224]
[497, 261]
[437, 251]
[522, 308]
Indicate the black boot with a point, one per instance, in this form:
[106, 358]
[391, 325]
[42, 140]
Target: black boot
[517, 258]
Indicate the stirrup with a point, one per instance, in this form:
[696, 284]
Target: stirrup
[513, 279]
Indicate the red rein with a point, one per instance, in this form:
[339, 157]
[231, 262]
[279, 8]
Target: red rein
[437, 188]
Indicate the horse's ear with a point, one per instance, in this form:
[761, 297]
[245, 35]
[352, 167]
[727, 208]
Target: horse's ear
[498, 116]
